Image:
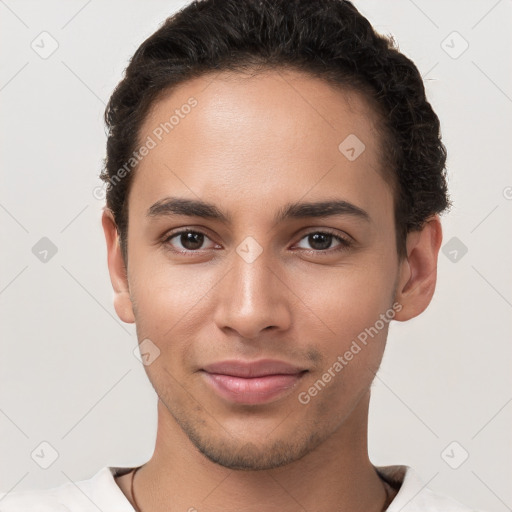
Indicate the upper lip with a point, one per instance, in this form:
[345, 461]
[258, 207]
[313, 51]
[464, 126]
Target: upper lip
[248, 369]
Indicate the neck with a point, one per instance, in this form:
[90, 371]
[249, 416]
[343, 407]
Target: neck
[337, 475]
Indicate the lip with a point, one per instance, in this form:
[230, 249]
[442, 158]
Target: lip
[249, 369]
[252, 382]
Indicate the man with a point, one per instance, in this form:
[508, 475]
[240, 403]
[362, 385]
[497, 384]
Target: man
[274, 179]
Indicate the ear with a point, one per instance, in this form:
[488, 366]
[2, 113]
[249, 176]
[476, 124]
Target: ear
[418, 272]
[117, 269]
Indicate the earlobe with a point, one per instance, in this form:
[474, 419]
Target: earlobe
[117, 269]
[418, 272]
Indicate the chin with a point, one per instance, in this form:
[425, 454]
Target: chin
[244, 453]
[251, 457]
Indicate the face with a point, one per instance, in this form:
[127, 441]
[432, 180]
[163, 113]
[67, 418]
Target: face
[262, 262]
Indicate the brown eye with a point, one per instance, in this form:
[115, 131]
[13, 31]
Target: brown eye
[192, 241]
[187, 240]
[323, 241]
[320, 241]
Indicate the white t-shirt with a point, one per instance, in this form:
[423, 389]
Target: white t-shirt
[101, 492]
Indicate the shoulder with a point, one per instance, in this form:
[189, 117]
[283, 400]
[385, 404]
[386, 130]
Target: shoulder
[99, 492]
[414, 495]
[57, 499]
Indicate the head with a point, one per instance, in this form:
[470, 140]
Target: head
[274, 177]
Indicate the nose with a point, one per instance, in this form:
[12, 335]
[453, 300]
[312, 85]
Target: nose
[253, 297]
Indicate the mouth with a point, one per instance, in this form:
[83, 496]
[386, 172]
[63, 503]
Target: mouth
[252, 383]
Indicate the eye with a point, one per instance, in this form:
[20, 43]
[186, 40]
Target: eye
[321, 241]
[187, 241]
[192, 241]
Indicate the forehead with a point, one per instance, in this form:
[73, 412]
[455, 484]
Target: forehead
[277, 132]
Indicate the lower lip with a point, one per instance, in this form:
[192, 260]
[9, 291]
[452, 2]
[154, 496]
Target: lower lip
[255, 390]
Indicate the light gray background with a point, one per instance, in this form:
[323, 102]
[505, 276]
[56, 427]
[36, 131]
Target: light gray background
[68, 373]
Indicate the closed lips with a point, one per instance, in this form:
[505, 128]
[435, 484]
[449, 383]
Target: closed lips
[252, 383]
[262, 368]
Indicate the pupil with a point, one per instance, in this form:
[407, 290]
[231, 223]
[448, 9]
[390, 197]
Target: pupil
[316, 239]
[191, 240]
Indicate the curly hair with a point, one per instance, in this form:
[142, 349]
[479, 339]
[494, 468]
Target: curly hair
[327, 39]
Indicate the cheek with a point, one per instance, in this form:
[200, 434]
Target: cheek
[169, 299]
[352, 347]
[348, 299]
[350, 303]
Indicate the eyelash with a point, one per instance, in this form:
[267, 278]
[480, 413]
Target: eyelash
[345, 243]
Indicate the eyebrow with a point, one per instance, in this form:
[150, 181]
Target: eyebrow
[170, 206]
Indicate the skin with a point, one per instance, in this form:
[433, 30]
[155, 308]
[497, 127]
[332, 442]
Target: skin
[252, 145]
